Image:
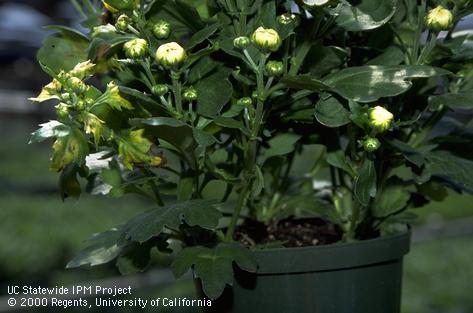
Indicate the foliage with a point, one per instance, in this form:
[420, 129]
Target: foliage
[168, 99]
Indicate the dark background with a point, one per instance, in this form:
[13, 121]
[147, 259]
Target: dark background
[39, 233]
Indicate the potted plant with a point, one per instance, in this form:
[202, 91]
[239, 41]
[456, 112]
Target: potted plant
[283, 144]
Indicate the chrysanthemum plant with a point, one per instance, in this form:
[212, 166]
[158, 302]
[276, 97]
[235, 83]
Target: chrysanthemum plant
[225, 111]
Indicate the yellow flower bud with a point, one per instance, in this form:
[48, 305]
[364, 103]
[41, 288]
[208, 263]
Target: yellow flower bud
[136, 48]
[171, 54]
[266, 38]
[380, 118]
[439, 19]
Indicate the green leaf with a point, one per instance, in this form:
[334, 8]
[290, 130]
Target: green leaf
[231, 123]
[62, 51]
[135, 259]
[52, 129]
[214, 92]
[339, 160]
[69, 185]
[258, 182]
[456, 101]
[202, 35]
[158, 121]
[201, 69]
[185, 188]
[201, 213]
[370, 83]
[305, 82]
[365, 182]
[72, 148]
[203, 138]
[173, 131]
[393, 55]
[457, 169]
[66, 30]
[280, 145]
[214, 266]
[321, 59]
[331, 113]
[366, 14]
[409, 153]
[392, 199]
[103, 248]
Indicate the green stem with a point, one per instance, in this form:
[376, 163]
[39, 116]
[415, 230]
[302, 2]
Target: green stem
[250, 149]
[177, 90]
[426, 51]
[420, 23]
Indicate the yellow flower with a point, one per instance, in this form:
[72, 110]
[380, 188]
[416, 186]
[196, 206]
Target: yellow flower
[136, 48]
[171, 54]
[439, 19]
[266, 38]
[380, 118]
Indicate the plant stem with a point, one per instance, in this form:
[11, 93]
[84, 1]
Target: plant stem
[176, 84]
[236, 213]
[251, 148]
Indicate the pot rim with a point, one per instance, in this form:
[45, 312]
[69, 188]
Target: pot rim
[333, 257]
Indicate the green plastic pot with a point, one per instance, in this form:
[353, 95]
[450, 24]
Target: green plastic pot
[358, 277]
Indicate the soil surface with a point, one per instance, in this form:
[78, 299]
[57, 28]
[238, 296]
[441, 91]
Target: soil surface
[288, 233]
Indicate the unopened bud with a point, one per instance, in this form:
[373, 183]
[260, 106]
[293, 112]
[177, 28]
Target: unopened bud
[62, 111]
[266, 38]
[380, 118]
[241, 42]
[76, 85]
[122, 22]
[160, 90]
[162, 29]
[136, 48]
[274, 68]
[189, 94]
[171, 54]
[245, 101]
[288, 18]
[439, 19]
[371, 144]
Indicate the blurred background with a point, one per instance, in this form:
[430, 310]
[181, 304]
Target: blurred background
[39, 233]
